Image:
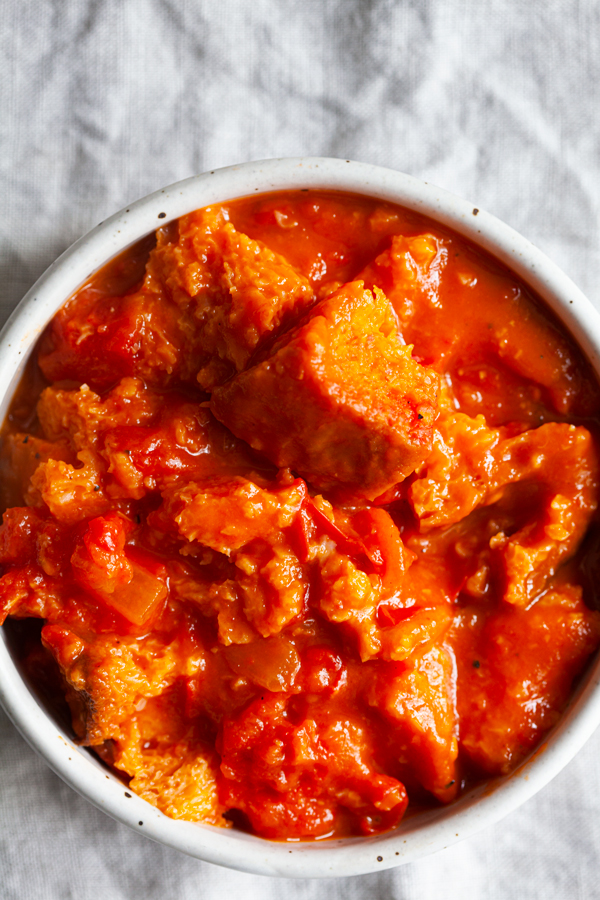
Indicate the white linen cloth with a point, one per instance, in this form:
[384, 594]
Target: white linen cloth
[102, 101]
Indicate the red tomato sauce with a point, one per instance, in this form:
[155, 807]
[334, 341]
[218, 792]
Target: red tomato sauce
[303, 492]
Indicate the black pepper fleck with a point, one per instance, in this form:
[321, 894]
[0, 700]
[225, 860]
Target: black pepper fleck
[476, 663]
[162, 215]
[26, 438]
[140, 823]
[96, 487]
[419, 416]
[475, 211]
[128, 795]
[380, 859]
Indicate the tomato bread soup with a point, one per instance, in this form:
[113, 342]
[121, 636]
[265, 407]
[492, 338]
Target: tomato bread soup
[303, 490]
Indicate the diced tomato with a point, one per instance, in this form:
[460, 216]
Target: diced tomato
[18, 535]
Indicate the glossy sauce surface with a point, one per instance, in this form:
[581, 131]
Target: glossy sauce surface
[304, 491]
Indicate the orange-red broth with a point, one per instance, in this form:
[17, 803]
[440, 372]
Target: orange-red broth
[395, 648]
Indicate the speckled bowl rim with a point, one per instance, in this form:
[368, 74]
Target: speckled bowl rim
[418, 835]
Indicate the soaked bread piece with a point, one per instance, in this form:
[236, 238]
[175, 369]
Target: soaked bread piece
[340, 399]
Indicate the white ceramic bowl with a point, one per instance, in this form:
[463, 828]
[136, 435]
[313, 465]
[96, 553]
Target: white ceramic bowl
[418, 835]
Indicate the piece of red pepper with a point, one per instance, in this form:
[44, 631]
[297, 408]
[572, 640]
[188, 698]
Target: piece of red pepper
[351, 547]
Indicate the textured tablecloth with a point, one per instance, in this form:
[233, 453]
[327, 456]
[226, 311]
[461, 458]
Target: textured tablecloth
[103, 101]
